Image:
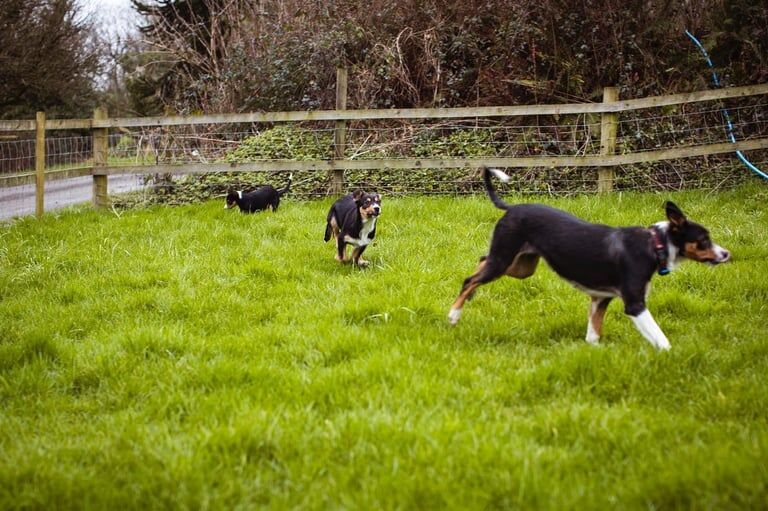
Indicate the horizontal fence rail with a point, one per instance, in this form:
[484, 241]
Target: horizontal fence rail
[602, 136]
[397, 113]
[444, 163]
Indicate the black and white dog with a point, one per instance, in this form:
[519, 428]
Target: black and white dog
[265, 197]
[352, 221]
[604, 262]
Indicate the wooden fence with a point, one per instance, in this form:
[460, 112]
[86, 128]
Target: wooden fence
[609, 110]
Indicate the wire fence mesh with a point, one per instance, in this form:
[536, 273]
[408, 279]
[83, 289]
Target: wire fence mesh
[391, 140]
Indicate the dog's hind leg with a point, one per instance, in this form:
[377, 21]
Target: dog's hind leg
[341, 249]
[597, 308]
[523, 265]
[489, 269]
[506, 245]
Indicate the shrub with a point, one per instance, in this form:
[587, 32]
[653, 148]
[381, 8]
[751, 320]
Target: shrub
[283, 143]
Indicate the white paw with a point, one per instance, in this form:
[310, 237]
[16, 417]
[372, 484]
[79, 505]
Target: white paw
[663, 345]
[592, 338]
[454, 316]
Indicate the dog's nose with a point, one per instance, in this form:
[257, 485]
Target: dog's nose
[721, 255]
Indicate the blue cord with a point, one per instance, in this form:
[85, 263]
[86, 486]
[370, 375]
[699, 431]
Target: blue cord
[730, 134]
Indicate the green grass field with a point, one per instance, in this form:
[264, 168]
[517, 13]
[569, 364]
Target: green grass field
[197, 358]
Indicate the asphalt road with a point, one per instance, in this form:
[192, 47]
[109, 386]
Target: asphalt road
[18, 201]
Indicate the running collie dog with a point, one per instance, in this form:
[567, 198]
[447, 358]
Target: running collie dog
[603, 262]
[352, 221]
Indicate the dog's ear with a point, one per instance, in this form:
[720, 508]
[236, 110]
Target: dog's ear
[674, 214]
[358, 195]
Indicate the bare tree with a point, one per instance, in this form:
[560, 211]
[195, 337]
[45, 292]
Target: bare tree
[49, 57]
[190, 44]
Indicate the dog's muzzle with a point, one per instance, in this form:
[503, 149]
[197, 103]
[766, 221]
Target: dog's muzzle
[721, 255]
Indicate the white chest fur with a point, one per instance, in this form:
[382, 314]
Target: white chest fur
[368, 226]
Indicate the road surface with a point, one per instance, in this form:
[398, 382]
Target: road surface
[18, 201]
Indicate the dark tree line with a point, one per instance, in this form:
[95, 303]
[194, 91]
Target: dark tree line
[230, 55]
[49, 59]
[238, 55]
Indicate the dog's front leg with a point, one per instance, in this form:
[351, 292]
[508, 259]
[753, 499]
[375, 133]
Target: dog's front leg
[647, 326]
[597, 308]
[357, 257]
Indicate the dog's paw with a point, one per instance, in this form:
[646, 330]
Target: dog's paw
[362, 263]
[454, 316]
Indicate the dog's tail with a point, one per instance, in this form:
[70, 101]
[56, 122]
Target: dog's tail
[282, 192]
[327, 232]
[328, 225]
[489, 186]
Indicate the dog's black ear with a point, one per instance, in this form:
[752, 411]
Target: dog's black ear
[674, 214]
[358, 195]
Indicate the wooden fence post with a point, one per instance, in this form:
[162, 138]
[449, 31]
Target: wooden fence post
[340, 133]
[608, 126]
[40, 164]
[100, 156]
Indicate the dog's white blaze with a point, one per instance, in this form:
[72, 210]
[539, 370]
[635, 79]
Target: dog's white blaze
[454, 316]
[368, 226]
[500, 175]
[646, 325]
[673, 261]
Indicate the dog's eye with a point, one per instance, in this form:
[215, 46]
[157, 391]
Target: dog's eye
[704, 244]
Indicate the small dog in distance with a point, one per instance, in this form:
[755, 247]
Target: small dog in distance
[265, 197]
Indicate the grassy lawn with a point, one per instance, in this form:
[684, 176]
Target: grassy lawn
[198, 358]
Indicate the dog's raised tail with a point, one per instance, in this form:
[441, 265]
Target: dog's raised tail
[489, 186]
[287, 187]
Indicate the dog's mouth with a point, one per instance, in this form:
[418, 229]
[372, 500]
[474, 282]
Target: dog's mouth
[721, 256]
[715, 255]
[716, 261]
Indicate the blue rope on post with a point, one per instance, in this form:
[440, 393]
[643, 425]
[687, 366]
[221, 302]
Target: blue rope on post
[730, 134]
